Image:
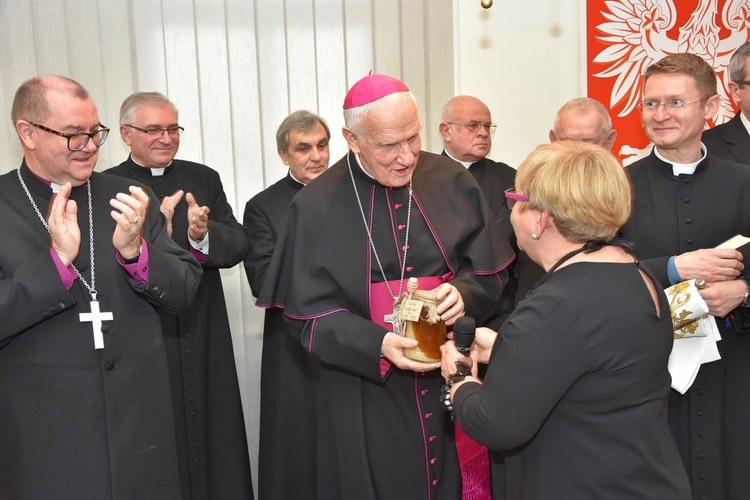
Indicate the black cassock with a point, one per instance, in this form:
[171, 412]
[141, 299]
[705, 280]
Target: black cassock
[382, 431]
[211, 439]
[78, 422]
[673, 215]
[493, 179]
[289, 374]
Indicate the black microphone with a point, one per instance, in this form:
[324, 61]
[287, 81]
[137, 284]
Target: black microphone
[463, 334]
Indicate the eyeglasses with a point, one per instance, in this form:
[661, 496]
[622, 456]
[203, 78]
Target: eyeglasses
[173, 131]
[475, 126]
[742, 82]
[78, 141]
[651, 105]
[512, 197]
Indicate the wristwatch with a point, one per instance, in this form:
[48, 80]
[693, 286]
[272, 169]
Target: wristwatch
[746, 298]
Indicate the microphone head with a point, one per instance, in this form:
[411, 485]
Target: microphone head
[463, 333]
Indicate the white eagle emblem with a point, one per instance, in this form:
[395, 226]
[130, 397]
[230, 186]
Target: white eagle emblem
[637, 34]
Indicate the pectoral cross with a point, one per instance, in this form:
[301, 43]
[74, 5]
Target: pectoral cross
[393, 319]
[96, 317]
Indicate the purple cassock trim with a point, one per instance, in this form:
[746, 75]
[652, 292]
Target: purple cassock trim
[67, 275]
[139, 269]
[381, 303]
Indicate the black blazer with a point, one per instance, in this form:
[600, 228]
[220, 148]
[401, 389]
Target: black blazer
[729, 140]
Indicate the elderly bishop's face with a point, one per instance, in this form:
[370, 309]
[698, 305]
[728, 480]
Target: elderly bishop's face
[387, 139]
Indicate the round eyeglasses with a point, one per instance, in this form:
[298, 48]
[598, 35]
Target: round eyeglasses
[474, 126]
[79, 140]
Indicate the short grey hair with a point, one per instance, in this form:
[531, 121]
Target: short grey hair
[737, 62]
[134, 101]
[301, 120]
[584, 104]
[353, 116]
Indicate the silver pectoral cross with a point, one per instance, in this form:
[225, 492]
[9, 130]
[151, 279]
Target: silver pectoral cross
[393, 319]
[96, 317]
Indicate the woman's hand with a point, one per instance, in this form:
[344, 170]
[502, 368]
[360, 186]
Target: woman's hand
[484, 339]
[450, 356]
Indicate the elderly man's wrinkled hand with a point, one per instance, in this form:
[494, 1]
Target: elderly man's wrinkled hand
[393, 347]
[450, 303]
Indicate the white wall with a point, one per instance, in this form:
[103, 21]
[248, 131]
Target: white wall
[524, 61]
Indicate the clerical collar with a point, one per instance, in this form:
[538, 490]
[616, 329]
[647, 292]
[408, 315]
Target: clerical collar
[359, 164]
[466, 164]
[745, 121]
[682, 168]
[155, 171]
[294, 178]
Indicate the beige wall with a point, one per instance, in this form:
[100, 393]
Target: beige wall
[524, 60]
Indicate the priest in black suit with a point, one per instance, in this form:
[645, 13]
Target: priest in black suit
[211, 439]
[85, 264]
[467, 131]
[289, 374]
[731, 140]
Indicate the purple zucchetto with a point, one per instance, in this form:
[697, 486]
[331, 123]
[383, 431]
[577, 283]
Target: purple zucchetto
[371, 88]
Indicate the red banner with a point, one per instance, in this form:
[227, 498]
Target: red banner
[624, 37]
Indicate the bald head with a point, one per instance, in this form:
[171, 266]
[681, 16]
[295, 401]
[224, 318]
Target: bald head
[586, 120]
[460, 115]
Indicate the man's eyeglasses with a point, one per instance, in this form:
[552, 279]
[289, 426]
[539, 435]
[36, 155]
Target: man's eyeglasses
[79, 140]
[474, 126]
[173, 131]
[513, 197]
[742, 82]
[651, 105]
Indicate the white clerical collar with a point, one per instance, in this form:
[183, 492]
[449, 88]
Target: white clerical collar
[294, 178]
[682, 168]
[745, 122]
[155, 172]
[356, 157]
[466, 164]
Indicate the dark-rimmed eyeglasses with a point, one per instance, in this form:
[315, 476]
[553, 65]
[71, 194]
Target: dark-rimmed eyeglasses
[651, 105]
[173, 131]
[512, 197]
[79, 140]
[741, 82]
[475, 126]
